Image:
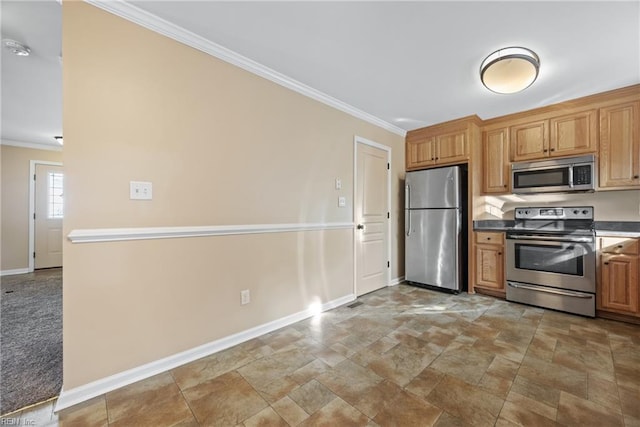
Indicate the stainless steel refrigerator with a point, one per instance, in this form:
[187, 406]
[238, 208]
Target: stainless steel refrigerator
[435, 245]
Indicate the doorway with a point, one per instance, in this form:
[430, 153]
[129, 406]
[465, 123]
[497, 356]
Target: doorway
[372, 215]
[46, 213]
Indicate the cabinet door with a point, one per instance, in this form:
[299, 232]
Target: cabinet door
[573, 134]
[451, 147]
[420, 153]
[620, 146]
[619, 287]
[489, 267]
[495, 161]
[530, 140]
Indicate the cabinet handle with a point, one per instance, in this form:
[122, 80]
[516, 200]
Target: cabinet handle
[488, 238]
[605, 263]
[499, 253]
[636, 176]
[553, 149]
[436, 158]
[545, 150]
[505, 186]
[620, 246]
[433, 158]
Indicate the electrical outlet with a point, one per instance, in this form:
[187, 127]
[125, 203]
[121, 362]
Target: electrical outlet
[245, 297]
[140, 190]
[342, 202]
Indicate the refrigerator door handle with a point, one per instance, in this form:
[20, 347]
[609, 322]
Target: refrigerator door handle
[407, 213]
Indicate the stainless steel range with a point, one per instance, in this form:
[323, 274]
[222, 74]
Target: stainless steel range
[551, 259]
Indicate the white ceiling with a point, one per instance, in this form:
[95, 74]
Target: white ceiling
[410, 64]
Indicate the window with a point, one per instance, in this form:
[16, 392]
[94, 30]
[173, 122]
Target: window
[55, 202]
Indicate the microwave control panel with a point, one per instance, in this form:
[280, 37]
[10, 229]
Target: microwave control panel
[582, 174]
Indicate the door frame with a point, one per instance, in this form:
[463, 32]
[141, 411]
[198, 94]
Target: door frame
[32, 207]
[360, 140]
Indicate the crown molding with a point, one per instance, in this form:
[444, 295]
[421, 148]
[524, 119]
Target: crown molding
[154, 23]
[31, 145]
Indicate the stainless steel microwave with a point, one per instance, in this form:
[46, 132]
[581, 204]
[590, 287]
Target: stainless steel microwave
[554, 176]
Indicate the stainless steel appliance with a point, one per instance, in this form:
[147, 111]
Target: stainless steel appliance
[554, 176]
[435, 249]
[551, 259]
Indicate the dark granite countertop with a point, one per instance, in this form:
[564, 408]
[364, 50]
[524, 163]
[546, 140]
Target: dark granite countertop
[622, 228]
[493, 224]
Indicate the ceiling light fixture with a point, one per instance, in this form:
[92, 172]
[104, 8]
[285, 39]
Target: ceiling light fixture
[16, 48]
[58, 140]
[510, 70]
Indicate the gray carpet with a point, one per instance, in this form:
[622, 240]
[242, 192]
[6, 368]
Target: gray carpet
[30, 338]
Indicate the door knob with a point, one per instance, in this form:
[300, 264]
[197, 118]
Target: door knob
[360, 226]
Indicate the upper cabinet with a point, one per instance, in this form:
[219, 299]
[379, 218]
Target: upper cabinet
[443, 144]
[530, 140]
[495, 161]
[620, 146]
[565, 135]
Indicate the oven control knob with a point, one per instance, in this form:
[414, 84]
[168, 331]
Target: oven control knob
[576, 211]
[585, 212]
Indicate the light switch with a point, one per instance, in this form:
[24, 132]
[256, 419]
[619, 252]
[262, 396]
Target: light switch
[342, 202]
[139, 190]
[338, 184]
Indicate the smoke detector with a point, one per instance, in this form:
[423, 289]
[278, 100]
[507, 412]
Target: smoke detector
[16, 48]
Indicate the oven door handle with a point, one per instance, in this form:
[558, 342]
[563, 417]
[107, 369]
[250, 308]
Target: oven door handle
[550, 238]
[550, 291]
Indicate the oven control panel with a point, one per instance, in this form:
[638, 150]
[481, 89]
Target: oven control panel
[559, 213]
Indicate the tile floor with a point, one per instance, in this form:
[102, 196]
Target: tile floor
[406, 356]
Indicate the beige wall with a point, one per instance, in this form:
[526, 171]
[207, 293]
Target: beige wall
[608, 205]
[15, 203]
[221, 146]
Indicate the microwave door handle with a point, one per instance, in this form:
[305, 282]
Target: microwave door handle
[571, 177]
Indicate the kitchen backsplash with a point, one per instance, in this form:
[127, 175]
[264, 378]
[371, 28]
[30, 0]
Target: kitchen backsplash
[608, 205]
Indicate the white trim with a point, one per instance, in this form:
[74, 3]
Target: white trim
[154, 23]
[121, 379]
[360, 140]
[14, 271]
[31, 145]
[397, 281]
[32, 207]
[148, 233]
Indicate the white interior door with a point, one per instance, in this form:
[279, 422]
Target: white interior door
[372, 218]
[49, 211]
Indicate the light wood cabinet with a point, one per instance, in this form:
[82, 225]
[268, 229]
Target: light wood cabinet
[618, 287]
[489, 263]
[560, 136]
[619, 162]
[495, 161]
[444, 144]
[451, 147]
[420, 152]
[530, 141]
[424, 150]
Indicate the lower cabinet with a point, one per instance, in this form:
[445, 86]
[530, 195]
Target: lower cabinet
[489, 265]
[618, 291]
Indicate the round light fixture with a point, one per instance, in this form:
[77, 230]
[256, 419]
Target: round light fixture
[16, 48]
[509, 70]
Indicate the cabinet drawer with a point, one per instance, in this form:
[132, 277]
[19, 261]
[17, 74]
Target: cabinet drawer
[489, 237]
[619, 245]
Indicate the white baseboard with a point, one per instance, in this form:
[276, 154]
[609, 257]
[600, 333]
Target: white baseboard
[14, 271]
[96, 388]
[396, 281]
